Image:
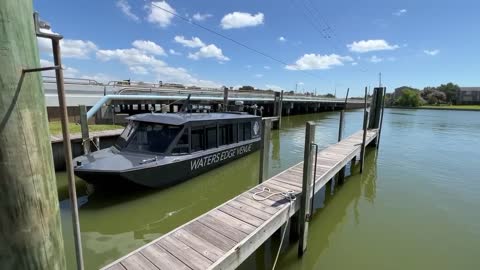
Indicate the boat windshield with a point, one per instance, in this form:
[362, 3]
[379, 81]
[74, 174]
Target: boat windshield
[147, 137]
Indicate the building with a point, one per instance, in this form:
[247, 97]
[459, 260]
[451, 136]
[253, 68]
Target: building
[468, 95]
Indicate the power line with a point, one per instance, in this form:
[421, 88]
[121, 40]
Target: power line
[229, 38]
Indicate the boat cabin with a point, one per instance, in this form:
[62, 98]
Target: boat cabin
[185, 133]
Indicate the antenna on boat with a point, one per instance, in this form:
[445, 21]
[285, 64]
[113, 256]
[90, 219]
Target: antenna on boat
[186, 104]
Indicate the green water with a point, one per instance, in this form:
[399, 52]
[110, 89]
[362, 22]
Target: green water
[416, 206]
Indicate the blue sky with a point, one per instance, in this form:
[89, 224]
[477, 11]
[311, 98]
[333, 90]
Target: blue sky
[325, 44]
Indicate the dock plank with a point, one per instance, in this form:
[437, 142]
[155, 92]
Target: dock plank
[241, 215]
[162, 259]
[138, 261]
[232, 221]
[222, 242]
[207, 249]
[249, 209]
[184, 253]
[223, 228]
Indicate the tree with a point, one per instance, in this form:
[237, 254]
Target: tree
[409, 98]
[450, 90]
[247, 87]
[433, 96]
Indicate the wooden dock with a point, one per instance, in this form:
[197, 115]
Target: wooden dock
[227, 235]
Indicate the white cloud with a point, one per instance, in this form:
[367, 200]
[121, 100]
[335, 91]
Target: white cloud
[173, 52]
[241, 19]
[364, 46]
[300, 83]
[201, 17]
[127, 10]
[266, 67]
[354, 63]
[70, 48]
[209, 51]
[282, 39]
[135, 58]
[100, 77]
[258, 75]
[76, 48]
[375, 59]
[148, 46]
[67, 71]
[273, 87]
[195, 42]
[432, 52]
[317, 61]
[138, 70]
[158, 16]
[248, 66]
[400, 12]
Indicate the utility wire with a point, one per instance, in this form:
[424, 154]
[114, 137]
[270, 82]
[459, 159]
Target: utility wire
[230, 39]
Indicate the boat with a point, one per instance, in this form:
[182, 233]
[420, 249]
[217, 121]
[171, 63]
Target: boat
[158, 150]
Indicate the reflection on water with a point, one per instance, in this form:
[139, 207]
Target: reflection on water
[415, 206]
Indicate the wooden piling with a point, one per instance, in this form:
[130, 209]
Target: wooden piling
[31, 232]
[225, 99]
[341, 173]
[280, 110]
[304, 214]
[84, 129]
[365, 128]
[381, 117]
[264, 150]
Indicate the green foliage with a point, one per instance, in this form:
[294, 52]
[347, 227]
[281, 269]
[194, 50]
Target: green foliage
[409, 98]
[433, 96]
[247, 87]
[450, 90]
[56, 128]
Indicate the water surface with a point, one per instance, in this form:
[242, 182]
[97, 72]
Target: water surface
[414, 207]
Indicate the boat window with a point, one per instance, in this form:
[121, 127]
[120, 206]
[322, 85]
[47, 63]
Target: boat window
[126, 134]
[198, 139]
[211, 137]
[226, 134]
[241, 135]
[152, 137]
[182, 144]
[247, 130]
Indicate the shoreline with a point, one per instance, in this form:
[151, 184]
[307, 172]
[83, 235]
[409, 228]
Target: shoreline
[432, 108]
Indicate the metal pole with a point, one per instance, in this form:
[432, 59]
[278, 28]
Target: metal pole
[68, 153]
[304, 214]
[365, 128]
[84, 128]
[264, 150]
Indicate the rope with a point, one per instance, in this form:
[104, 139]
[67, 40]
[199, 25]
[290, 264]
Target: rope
[290, 196]
[91, 141]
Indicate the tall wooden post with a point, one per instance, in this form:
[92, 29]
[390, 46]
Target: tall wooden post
[341, 173]
[225, 99]
[280, 110]
[365, 128]
[264, 150]
[30, 234]
[381, 119]
[84, 128]
[304, 213]
[376, 107]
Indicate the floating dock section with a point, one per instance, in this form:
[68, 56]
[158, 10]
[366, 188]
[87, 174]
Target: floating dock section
[227, 235]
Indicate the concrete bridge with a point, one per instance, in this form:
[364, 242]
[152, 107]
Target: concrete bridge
[119, 98]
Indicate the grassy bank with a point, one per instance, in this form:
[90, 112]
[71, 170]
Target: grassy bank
[56, 128]
[452, 107]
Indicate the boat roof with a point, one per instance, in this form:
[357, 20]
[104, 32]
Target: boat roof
[182, 118]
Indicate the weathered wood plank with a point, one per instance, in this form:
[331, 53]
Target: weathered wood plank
[116, 266]
[198, 229]
[286, 184]
[184, 253]
[207, 249]
[162, 259]
[234, 222]
[223, 228]
[248, 200]
[138, 261]
[249, 209]
[241, 215]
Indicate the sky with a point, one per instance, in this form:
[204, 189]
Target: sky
[307, 45]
